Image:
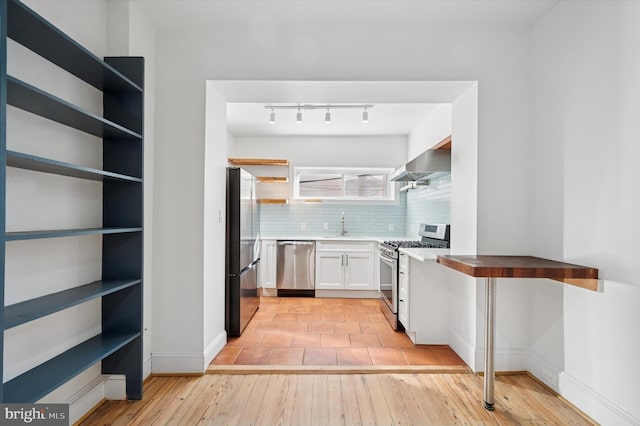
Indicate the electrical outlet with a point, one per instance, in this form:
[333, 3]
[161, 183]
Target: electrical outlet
[390, 227]
[325, 226]
[220, 216]
[303, 226]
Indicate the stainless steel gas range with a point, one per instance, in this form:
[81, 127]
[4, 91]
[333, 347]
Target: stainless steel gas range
[431, 236]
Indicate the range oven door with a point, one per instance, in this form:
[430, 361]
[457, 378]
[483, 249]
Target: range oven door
[389, 282]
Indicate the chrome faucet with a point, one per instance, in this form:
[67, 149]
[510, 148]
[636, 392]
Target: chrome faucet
[342, 223]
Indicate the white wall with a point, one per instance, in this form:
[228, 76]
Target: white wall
[496, 55]
[435, 127]
[347, 151]
[216, 148]
[586, 203]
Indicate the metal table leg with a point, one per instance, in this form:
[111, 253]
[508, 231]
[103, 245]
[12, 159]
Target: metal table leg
[489, 334]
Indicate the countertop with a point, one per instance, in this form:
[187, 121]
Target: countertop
[330, 238]
[522, 267]
[424, 254]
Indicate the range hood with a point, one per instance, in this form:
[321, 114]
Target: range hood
[424, 165]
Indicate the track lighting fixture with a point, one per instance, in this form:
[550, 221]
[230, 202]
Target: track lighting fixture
[327, 115]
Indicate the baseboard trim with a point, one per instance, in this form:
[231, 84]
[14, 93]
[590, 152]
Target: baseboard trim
[214, 348]
[504, 359]
[92, 410]
[593, 404]
[86, 399]
[349, 294]
[462, 348]
[177, 362]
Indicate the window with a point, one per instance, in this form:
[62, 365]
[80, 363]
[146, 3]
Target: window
[343, 184]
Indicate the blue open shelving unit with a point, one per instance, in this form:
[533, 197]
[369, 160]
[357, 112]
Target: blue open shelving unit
[121, 80]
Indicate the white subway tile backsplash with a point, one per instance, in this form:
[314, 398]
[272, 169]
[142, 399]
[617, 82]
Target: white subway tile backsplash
[424, 204]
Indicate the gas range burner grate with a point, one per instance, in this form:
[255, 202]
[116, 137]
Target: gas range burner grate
[414, 244]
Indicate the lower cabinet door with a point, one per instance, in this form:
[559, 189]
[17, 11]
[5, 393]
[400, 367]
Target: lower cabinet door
[403, 299]
[359, 271]
[329, 271]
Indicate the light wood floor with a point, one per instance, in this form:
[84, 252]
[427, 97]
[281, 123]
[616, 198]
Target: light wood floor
[340, 399]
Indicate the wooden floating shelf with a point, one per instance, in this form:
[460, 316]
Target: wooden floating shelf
[273, 201]
[272, 179]
[257, 162]
[444, 143]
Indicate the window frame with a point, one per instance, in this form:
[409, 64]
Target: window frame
[345, 171]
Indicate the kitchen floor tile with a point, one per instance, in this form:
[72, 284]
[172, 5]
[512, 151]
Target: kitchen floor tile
[253, 356]
[285, 317]
[353, 356]
[386, 356]
[346, 327]
[364, 340]
[323, 327]
[375, 327]
[320, 356]
[334, 341]
[287, 356]
[282, 340]
[420, 356]
[327, 331]
[395, 340]
[301, 340]
[227, 355]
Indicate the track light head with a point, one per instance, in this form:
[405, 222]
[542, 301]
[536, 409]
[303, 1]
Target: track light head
[327, 116]
[365, 115]
[299, 116]
[272, 117]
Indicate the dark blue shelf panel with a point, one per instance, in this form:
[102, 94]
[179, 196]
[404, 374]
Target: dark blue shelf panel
[29, 310]
[46, 165]
[34, 235]
[39, 381]
[29, 98]
[35, 33]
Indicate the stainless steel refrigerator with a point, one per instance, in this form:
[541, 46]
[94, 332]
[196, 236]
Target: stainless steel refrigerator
[242, 250]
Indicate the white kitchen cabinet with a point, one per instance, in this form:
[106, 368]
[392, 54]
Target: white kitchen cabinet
[267, 265]
[329, 270]
[345, 265]
[358, 271]
[424, 302]
[403, 291]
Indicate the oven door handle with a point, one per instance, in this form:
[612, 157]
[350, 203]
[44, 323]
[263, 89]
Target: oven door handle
[389, 260]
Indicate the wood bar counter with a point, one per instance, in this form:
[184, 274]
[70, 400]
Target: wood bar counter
[492, 267]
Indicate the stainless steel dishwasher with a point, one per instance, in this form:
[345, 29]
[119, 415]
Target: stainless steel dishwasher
[296, 268]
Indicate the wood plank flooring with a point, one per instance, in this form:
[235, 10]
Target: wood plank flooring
[287, 399]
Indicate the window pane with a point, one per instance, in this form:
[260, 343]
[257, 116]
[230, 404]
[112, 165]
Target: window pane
[366, 186]
[321, 185]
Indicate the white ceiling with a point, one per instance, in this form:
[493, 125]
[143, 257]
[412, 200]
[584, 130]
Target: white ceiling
[252, 119]
[392, 114]
[190, 14]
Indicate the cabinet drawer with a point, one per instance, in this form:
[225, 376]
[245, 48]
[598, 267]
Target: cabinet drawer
[403, 264]
[342, 245]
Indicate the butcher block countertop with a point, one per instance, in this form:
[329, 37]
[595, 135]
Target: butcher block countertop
[522, 267]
